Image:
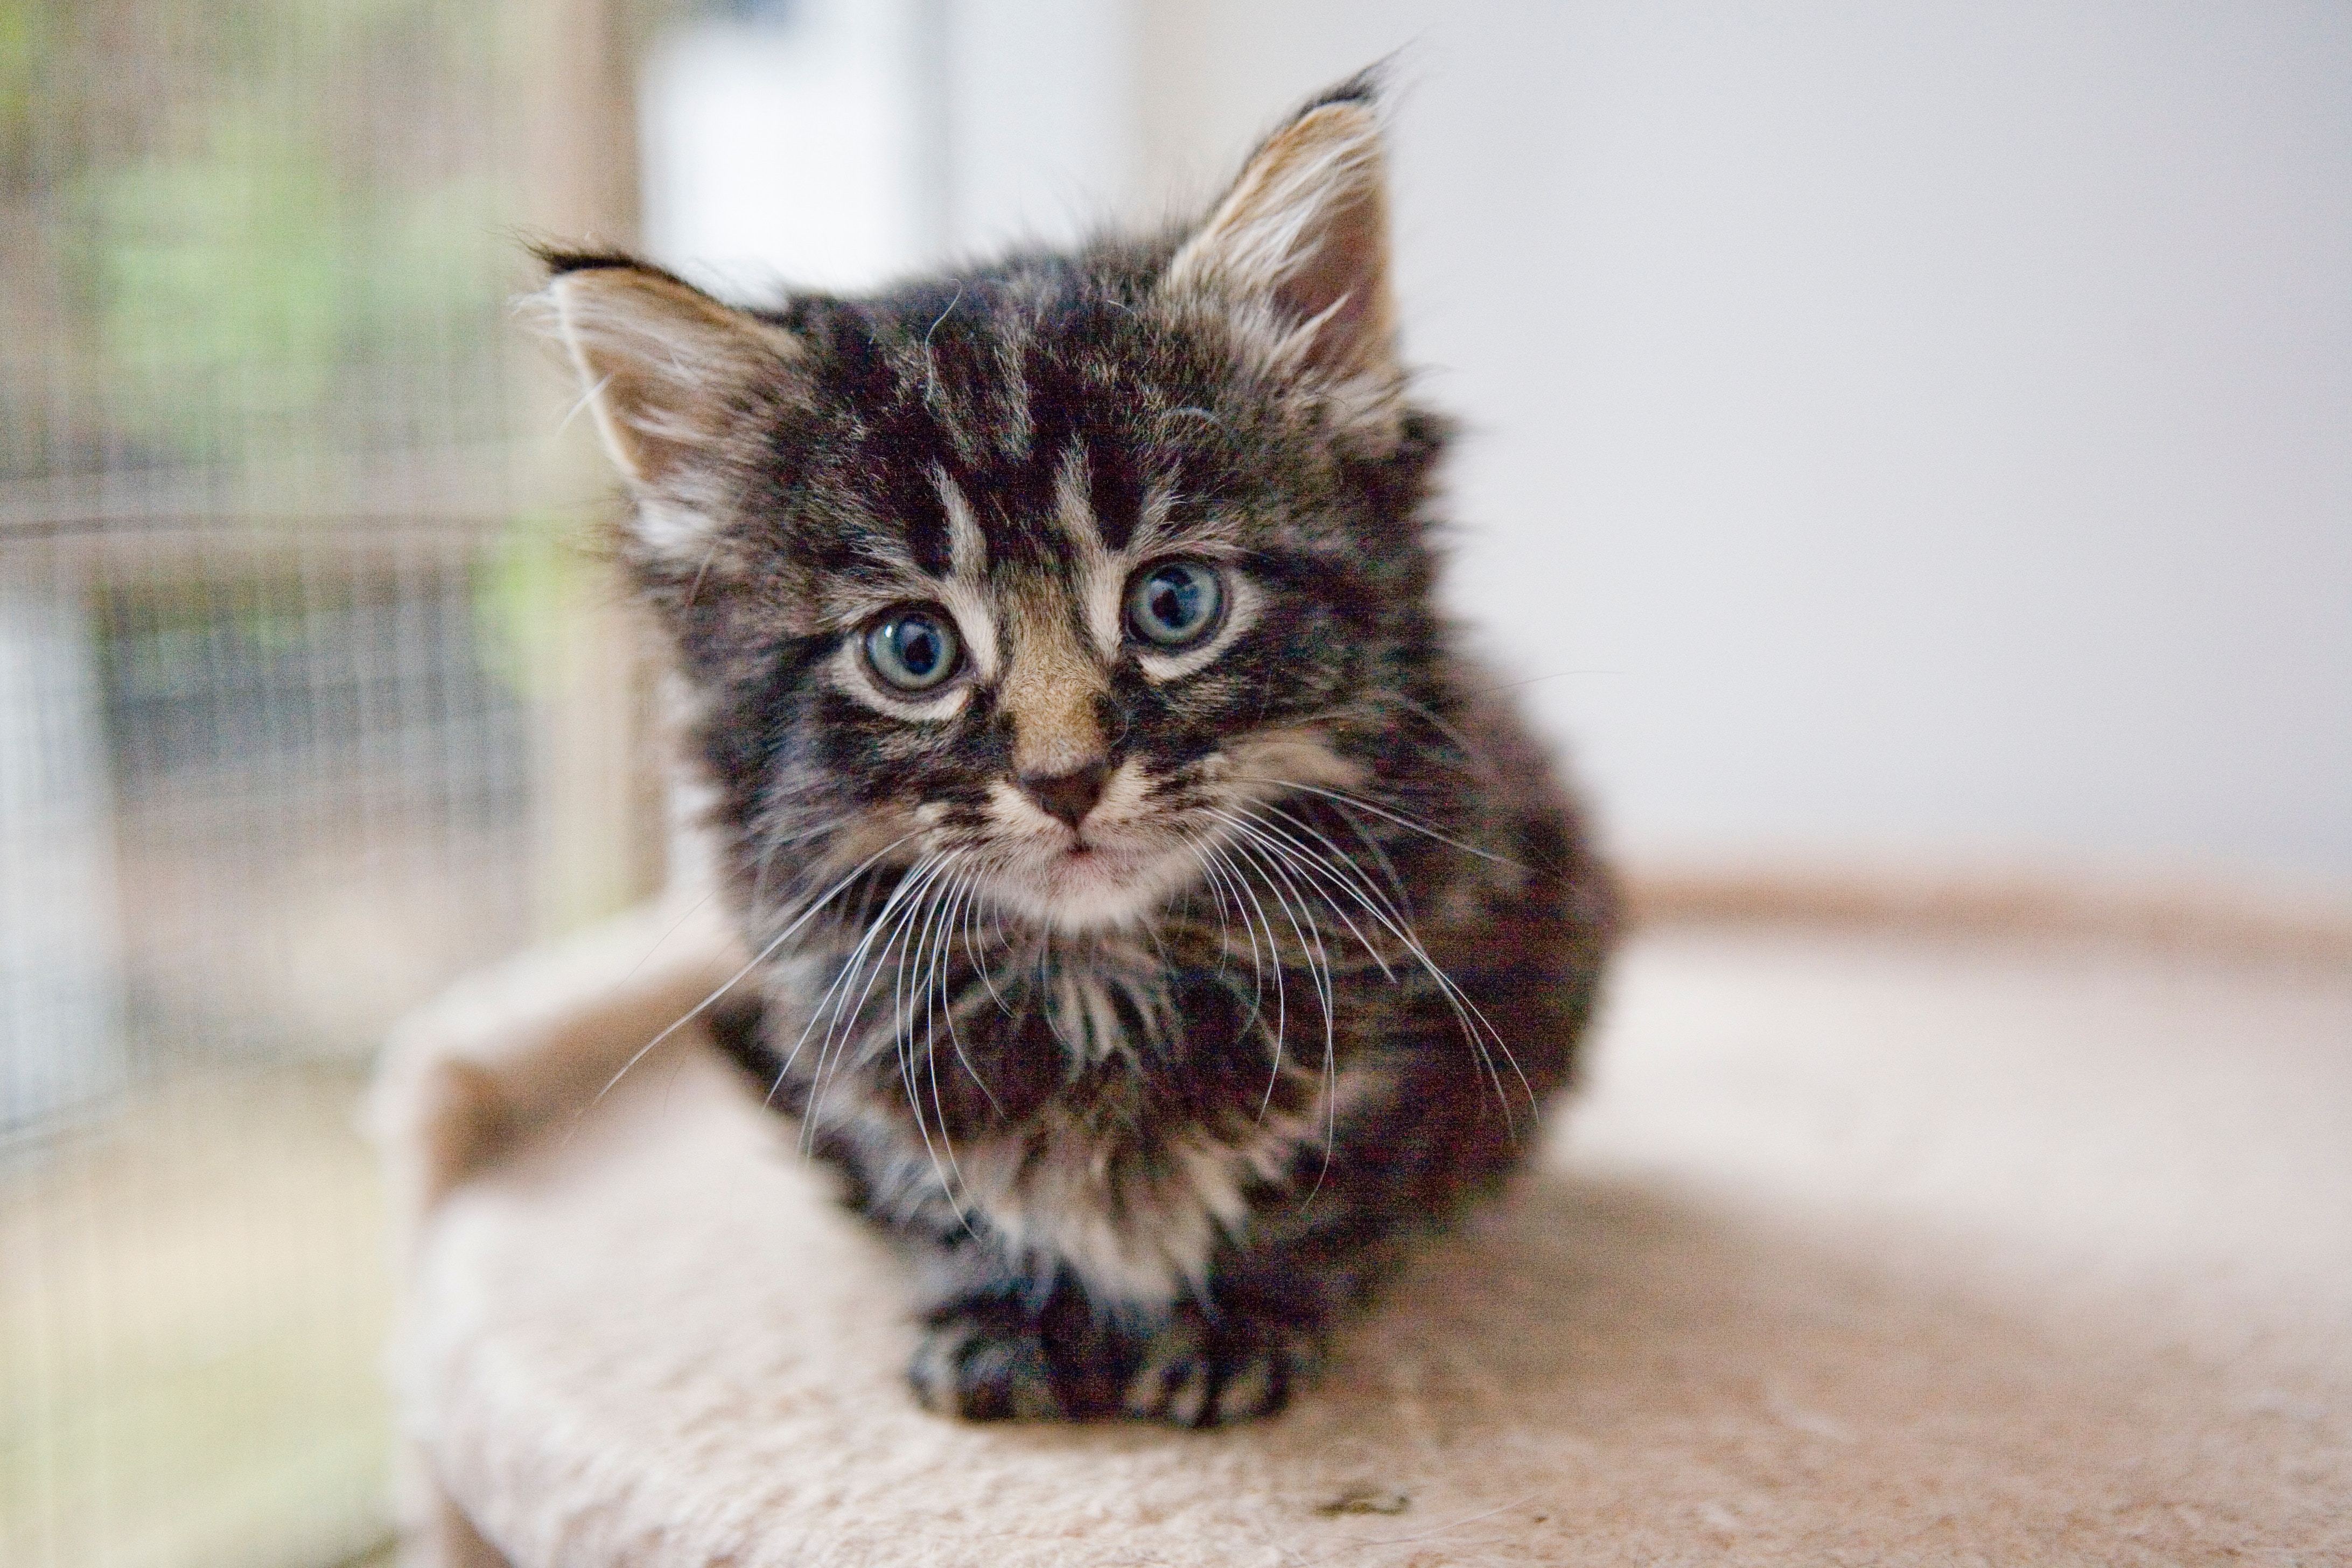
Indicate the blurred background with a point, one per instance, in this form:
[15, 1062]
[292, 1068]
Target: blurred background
[1913, 437]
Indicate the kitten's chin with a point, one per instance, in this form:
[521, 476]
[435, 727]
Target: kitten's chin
[1102, 888]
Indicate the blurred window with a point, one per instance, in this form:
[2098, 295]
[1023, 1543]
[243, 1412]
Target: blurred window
[274, 601]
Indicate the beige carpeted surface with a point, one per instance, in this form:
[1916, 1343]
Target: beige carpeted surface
[1860, 1247]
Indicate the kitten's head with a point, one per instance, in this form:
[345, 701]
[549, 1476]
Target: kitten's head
[1053, 571]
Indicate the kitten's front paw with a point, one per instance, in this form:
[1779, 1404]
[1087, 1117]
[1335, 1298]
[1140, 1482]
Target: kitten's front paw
[1199, 1373]
[984, 1370]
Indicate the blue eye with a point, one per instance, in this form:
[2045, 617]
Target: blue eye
[1175, 604]
[912, 650]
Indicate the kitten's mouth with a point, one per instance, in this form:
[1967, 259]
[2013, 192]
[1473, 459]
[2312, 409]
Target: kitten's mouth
[1094, 861]
[1088, 883]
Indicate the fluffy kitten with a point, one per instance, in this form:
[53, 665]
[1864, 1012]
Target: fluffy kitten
[1158, 922]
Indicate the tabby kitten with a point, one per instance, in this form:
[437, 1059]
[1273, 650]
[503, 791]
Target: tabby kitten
[1158, 922]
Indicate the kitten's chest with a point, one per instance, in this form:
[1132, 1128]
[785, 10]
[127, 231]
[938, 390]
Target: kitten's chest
[1114, 1118]
[1111, 1040]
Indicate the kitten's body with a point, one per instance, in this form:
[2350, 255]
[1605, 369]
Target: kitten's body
[1158, 972]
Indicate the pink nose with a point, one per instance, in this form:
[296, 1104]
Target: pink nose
[1068, 795]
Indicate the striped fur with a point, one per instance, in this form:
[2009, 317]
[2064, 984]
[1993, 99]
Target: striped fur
[1157, 989]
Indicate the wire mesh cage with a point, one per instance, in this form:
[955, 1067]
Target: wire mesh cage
[292, 665]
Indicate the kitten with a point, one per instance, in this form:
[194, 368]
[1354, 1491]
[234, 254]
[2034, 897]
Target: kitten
[1158, 922]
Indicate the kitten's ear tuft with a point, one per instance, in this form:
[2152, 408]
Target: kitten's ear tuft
[1302, 239]
[665, 368]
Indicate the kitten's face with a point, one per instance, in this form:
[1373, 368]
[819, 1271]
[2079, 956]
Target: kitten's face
[1054, 622]
[1048, 579]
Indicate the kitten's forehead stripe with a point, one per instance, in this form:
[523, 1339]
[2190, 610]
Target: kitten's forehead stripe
[1072, 510]
[1095, 573]
[1116, 489]
[967, 542]
[951, 387]
[1010, 385]
[888, 456]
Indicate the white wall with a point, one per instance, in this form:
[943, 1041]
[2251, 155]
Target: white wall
[839, 143]
[792, 145]
[1043, 137]
[1935, 419]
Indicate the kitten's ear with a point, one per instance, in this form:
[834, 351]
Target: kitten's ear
[665, 369]
[1298, 248]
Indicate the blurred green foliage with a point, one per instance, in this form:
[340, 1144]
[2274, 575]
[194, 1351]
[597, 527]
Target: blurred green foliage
[530, 595]
[270, 224]
[27, 34]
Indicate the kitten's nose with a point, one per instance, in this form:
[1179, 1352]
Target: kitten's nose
[1068, 795]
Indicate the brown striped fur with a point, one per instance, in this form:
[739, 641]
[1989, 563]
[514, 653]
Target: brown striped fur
[1157, 973]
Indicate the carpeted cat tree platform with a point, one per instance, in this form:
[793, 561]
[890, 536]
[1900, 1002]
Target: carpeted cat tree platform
[1918, 1228]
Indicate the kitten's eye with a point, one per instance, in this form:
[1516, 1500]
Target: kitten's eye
[1175, 603]
[912, 650]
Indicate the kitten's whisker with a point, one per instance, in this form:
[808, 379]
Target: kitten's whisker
[729, 983]
[1312, 951]
[1262, 958]
[1470, 754]
[829, 1009]
[1405, 822]
[909, 889]
[1250, 836]
[834, 997]
[1049, 994]
[930, 977]
[902, 1024]
[1476, 1026]
[1334, 867]
[587, 401]
[986, 970]
[892, 956]
[901, 1041]
[1190, 412]
[844, 976]
[1334, 863]
[1403, 895]
[1224, 915]
[1293, 906]
[816, 1013]
[663, 941]
[1464, 1008]
[967, 899]
[1216, 879]
[1281, 998]
[771, 843]
[1395, 895]
[1345, 877]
